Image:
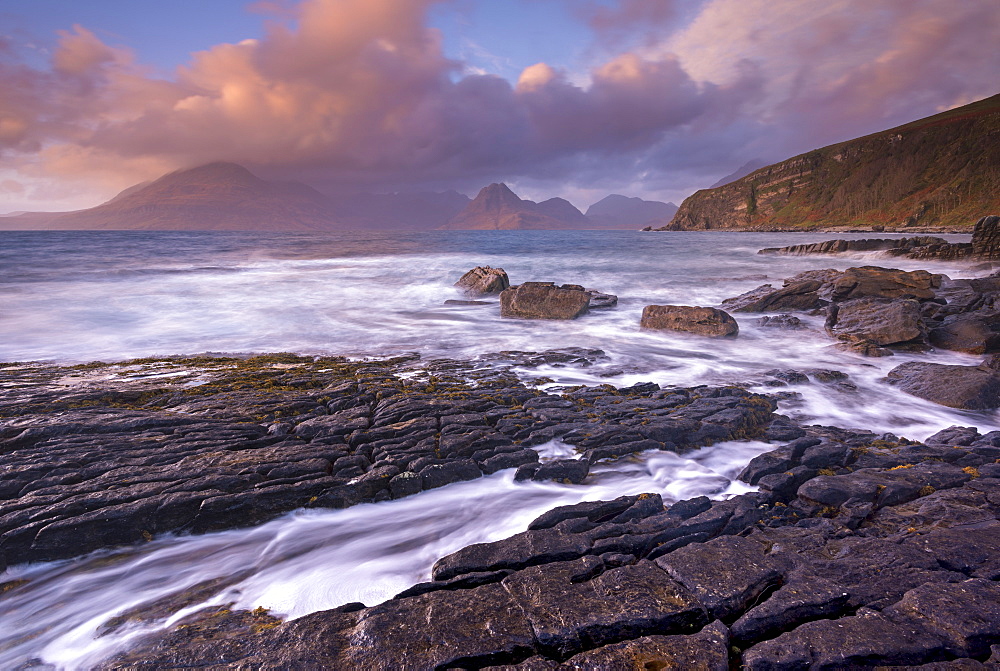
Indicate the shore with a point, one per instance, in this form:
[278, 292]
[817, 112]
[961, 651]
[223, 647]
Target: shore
[893, 540]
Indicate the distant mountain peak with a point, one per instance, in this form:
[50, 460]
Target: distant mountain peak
[618, 211]
[496, 207]
[497, 195]
[218, 171]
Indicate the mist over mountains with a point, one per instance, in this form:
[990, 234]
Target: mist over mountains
[224, 196]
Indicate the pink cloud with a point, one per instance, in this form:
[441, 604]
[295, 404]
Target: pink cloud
[361, 92]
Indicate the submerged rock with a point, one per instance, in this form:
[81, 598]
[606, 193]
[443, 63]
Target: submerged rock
[483, 280]
[787, 322]
[702, 321]
[544, 300]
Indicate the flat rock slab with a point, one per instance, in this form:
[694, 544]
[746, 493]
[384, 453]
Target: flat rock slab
[440, 630]
[91, 459]
[884, 576]
[569, 612]
[725, 574]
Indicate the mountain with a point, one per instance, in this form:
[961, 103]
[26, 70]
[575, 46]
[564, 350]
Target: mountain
[616, 211]
[943, 170]
[741, 171]
[217, 196]
[496, 207]
[227, 196]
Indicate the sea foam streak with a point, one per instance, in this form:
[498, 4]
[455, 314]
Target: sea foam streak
[315, 560]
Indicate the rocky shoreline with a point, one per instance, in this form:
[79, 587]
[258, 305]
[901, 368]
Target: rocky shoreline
[104, 455]
[858, 549]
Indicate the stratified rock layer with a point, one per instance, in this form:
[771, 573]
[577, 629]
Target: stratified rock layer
[857, 551]
[92, 461]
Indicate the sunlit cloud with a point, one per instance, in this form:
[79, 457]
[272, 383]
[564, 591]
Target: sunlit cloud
[360, 94]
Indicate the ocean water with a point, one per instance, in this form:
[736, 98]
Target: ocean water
[83, 296]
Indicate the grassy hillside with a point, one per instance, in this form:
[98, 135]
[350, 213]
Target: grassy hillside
[943, 170]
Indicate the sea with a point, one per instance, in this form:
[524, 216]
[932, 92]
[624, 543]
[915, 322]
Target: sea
[74, 297]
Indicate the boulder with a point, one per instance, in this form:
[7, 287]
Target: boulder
[963, 387]
[973, 333]
[483, 280]
[875, 320]
[794, 296]
[543, 300]
[879, 282]
[702, 321]
[986, 238]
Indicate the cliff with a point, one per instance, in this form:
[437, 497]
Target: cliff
[943, 170]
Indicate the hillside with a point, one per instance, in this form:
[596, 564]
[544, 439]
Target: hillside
[228, 197]
[943, 170]
[217, 196]
[617, 211]
[496, 207]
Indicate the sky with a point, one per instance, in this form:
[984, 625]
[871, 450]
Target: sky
[570, 98]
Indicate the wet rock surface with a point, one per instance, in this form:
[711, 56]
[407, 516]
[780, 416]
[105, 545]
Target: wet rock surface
[544, 300]
[857, 551]
[698, 320]
[483, 281]
[876, 311]
[106, 455]
[965, 387]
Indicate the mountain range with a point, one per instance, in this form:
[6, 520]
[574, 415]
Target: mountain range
[225, 196]
[942, 170]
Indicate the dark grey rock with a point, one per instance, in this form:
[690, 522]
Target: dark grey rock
[965, 387]
[725, 574]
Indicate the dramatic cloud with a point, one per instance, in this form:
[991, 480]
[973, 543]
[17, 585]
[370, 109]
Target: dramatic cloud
[360, 93]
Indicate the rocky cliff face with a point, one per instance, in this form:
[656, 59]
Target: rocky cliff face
[942, 170]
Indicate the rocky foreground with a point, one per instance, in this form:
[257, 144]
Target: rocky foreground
[857, 550]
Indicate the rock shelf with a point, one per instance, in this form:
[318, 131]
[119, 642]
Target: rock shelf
[857, 550]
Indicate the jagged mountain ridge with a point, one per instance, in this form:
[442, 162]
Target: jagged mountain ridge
[942, 170]
[496, 207]
[226, 196]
